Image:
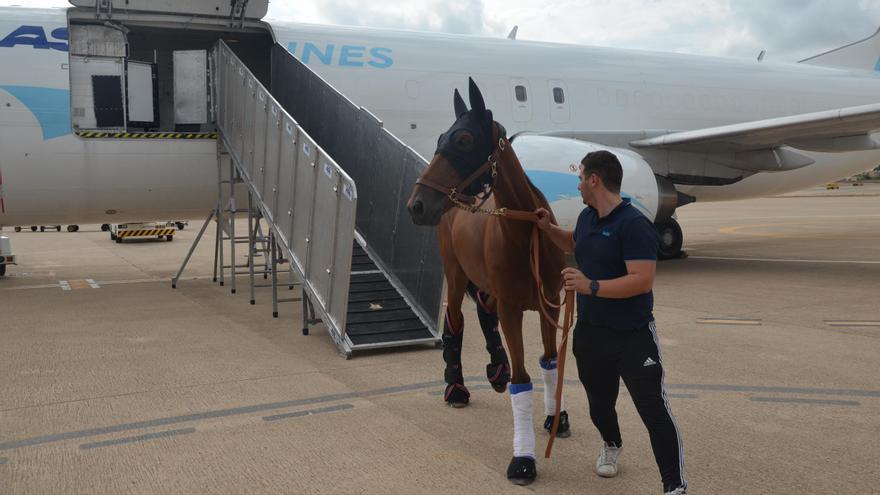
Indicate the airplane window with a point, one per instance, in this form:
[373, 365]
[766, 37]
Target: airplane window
[520, 93]
[558, 95]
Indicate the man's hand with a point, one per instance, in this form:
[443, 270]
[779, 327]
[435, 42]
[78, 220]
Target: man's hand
[543, 218]
[576, 281]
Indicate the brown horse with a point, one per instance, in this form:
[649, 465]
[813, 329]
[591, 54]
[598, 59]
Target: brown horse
[491, 252]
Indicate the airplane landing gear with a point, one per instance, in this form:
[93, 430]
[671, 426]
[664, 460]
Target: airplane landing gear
[671, 239]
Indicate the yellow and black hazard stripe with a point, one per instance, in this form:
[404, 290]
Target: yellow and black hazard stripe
[146, 232]
[146, 135]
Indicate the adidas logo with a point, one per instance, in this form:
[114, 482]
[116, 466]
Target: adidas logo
[649, 362]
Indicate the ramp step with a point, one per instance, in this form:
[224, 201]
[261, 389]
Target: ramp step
[377, 313]
[407, 336]
[367, 296]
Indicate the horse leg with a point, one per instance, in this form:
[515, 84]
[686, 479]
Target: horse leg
[498, 369]
[456, 395]
[548, 369]
[522, 469]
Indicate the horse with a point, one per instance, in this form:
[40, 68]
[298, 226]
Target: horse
[492, 252]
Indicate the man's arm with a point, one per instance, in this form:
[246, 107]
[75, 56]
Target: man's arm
[638, 280]
[563, 238]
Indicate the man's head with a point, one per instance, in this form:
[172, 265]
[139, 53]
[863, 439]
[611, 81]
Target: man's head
[600, 171]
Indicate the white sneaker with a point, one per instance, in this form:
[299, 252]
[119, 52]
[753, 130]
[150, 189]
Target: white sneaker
[677, 491]
[606, 464]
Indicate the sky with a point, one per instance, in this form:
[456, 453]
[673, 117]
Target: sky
[789, 30]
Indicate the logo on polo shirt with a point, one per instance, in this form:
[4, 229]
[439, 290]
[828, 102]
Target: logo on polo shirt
[606, 233]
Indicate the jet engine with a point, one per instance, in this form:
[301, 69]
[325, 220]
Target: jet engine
[552, 165]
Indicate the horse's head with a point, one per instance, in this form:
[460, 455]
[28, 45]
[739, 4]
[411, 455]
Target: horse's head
[460, 167]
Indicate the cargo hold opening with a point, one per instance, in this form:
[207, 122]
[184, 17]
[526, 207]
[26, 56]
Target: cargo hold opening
[137, 76]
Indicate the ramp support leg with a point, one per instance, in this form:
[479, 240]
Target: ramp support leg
[273, 247]
[192, 249]
[232, 211]
[251, 245]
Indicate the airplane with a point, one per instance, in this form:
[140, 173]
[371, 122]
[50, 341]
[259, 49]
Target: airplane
[90, 131]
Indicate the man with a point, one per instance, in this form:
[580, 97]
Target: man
[616, 251]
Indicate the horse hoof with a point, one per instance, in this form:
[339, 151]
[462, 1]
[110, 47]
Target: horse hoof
[564, 430]
[522, 471]
[499, 376]
[457, 395]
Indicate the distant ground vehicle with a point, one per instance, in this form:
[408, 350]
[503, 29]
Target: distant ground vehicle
[832, 186]
[133, 230]
[6, 255]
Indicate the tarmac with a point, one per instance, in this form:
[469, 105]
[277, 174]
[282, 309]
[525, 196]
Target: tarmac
[111, 382]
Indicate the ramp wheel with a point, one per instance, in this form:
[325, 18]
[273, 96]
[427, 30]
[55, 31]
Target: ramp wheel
[169, 238]
[3, 269]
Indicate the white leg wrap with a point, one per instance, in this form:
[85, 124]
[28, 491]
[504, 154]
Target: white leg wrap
[523, 428]
[550, 376]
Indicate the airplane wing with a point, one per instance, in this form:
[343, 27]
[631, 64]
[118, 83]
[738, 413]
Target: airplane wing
[840, 130]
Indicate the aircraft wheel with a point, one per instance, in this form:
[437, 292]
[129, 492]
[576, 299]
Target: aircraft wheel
[105, 227]
[73, 228]
[42, 228]
[3, 269]
[671, 239]
[18, 229]
[33, 228]
[58, 228]
[180, 225]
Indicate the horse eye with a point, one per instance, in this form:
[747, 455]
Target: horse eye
[464, 142]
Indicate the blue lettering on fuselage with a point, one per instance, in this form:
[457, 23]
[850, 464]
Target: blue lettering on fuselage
[35, 37]
[342, 55]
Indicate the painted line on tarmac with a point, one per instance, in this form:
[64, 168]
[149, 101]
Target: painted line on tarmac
[93, 284]
[309, 412]
[728, 321]
[139, 438]
[775, 390]
[784, 260]
[852, 323]
[64, 285]
[795, 400]
[222, 413]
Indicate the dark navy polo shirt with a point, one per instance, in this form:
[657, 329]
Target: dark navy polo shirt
[602, 246]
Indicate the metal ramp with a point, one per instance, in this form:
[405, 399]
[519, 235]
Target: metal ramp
[330, 183]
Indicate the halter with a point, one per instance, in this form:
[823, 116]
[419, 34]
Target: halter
[469, 202]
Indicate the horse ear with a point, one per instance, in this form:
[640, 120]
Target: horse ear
[460, 107]
[476, 97]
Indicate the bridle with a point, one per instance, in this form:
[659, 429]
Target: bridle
[470, 202]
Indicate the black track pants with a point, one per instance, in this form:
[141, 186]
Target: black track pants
[603, 357]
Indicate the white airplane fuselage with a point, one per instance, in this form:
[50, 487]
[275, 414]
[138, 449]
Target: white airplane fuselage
[50, 175]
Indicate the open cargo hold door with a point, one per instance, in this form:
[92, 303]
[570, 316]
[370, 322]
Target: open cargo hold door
[232, 9]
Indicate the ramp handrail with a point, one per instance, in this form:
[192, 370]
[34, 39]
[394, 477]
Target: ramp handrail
[287, 172]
